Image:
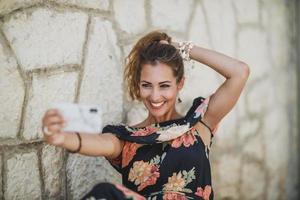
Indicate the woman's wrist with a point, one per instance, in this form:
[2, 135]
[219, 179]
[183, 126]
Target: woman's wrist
[78, 148]
[184, 48]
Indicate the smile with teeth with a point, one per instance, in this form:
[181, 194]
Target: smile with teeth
[157, 105]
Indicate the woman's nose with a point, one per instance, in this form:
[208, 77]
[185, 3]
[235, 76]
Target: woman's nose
[155, 95]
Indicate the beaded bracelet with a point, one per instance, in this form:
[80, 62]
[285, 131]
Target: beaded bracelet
[184, 49]
[79, 146]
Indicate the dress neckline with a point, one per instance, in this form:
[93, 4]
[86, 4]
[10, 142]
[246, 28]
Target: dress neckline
[177, 121]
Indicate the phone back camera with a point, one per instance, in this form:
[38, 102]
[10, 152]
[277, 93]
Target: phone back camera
[93, 110]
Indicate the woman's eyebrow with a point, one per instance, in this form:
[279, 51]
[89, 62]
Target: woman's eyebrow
[146, 82]
[164, 82]
[158, 83]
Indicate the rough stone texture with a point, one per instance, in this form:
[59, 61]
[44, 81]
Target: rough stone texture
[262, 93]
[1, 181]
[247, 11]
[49, 35]
[102, 75]
[199, 32]
[229, 165]
[130, 15]
[23, 177]
[45, 91]
[221, 24]
[102, 71]
[84, 172]
[93, 4]
[11, 93]
[258, 60]
[6, 6]
[53, 171]
[254, 150]
[165, 15]
[253, 181]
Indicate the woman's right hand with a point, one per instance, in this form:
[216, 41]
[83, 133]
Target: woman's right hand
[52, 125]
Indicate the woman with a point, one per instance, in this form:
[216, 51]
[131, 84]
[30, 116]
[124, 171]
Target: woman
[166, 155]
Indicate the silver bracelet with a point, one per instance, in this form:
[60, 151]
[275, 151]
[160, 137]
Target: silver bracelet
[185, 49]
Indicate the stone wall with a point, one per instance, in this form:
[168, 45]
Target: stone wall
[73, 50]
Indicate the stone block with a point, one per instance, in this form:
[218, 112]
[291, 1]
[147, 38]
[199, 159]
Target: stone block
[253, 181]
[281, 31]
[261, 97]
[46, 37]
[23, 177]
[1, 181]
[227, 177]
[199, 32]
[136, 113]
[171, 14]
[84, 172]
[276, 133]
[253, 49]
[254, 146]
[46, 89]
[130, 15]
[93, 4]
[102, 79]
[11, 93]
[53, 171]
[7, 6]
[247, 11]
[248, 128]
[221, 25]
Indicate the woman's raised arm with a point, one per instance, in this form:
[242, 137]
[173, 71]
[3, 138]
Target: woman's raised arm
[226, 96]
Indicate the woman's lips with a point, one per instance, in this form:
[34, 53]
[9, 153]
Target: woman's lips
[157, 105]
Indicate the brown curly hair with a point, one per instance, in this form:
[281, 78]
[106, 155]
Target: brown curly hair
[149, 50]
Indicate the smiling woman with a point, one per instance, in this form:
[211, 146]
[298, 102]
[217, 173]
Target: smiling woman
[166, 156]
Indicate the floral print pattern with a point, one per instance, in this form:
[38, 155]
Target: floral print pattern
[204, 193]
[143, 174]
[129, 193]
[186, 139]
[164, 161]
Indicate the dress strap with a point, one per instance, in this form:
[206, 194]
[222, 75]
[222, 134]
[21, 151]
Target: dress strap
[206, 126]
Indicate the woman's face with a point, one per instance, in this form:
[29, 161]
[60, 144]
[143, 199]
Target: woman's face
[158, 89]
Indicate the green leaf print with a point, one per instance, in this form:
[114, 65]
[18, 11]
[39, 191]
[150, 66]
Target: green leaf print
[155, 160]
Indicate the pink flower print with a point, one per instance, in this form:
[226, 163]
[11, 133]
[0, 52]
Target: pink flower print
[174, 196]
[129, 151]
[204, 193]
[201, 108]
[186, 139]
[145, 131]
[143, 174]
[129, 193]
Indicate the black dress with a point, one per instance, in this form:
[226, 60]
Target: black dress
[167, 161]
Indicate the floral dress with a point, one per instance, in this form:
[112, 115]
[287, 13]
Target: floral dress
[164, 161]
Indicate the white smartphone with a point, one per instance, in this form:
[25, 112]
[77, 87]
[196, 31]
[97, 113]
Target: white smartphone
[80, 117]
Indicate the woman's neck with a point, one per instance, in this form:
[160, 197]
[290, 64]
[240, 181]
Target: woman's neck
[169, 116]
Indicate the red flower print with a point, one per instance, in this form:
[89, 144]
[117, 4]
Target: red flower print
[143, 174]
[186, 139]
[129, 193]
[129, 151]
[145, 131]
[173, 196]
[204, 193]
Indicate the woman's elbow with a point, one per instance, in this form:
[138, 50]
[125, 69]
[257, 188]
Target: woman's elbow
[244, 70]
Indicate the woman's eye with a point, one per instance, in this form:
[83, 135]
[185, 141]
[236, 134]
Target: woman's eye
[146, 85]
[165, 86]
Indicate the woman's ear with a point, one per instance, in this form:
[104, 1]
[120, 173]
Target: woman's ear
[181, 83]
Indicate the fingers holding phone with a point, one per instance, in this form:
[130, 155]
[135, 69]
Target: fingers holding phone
[52, 127]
